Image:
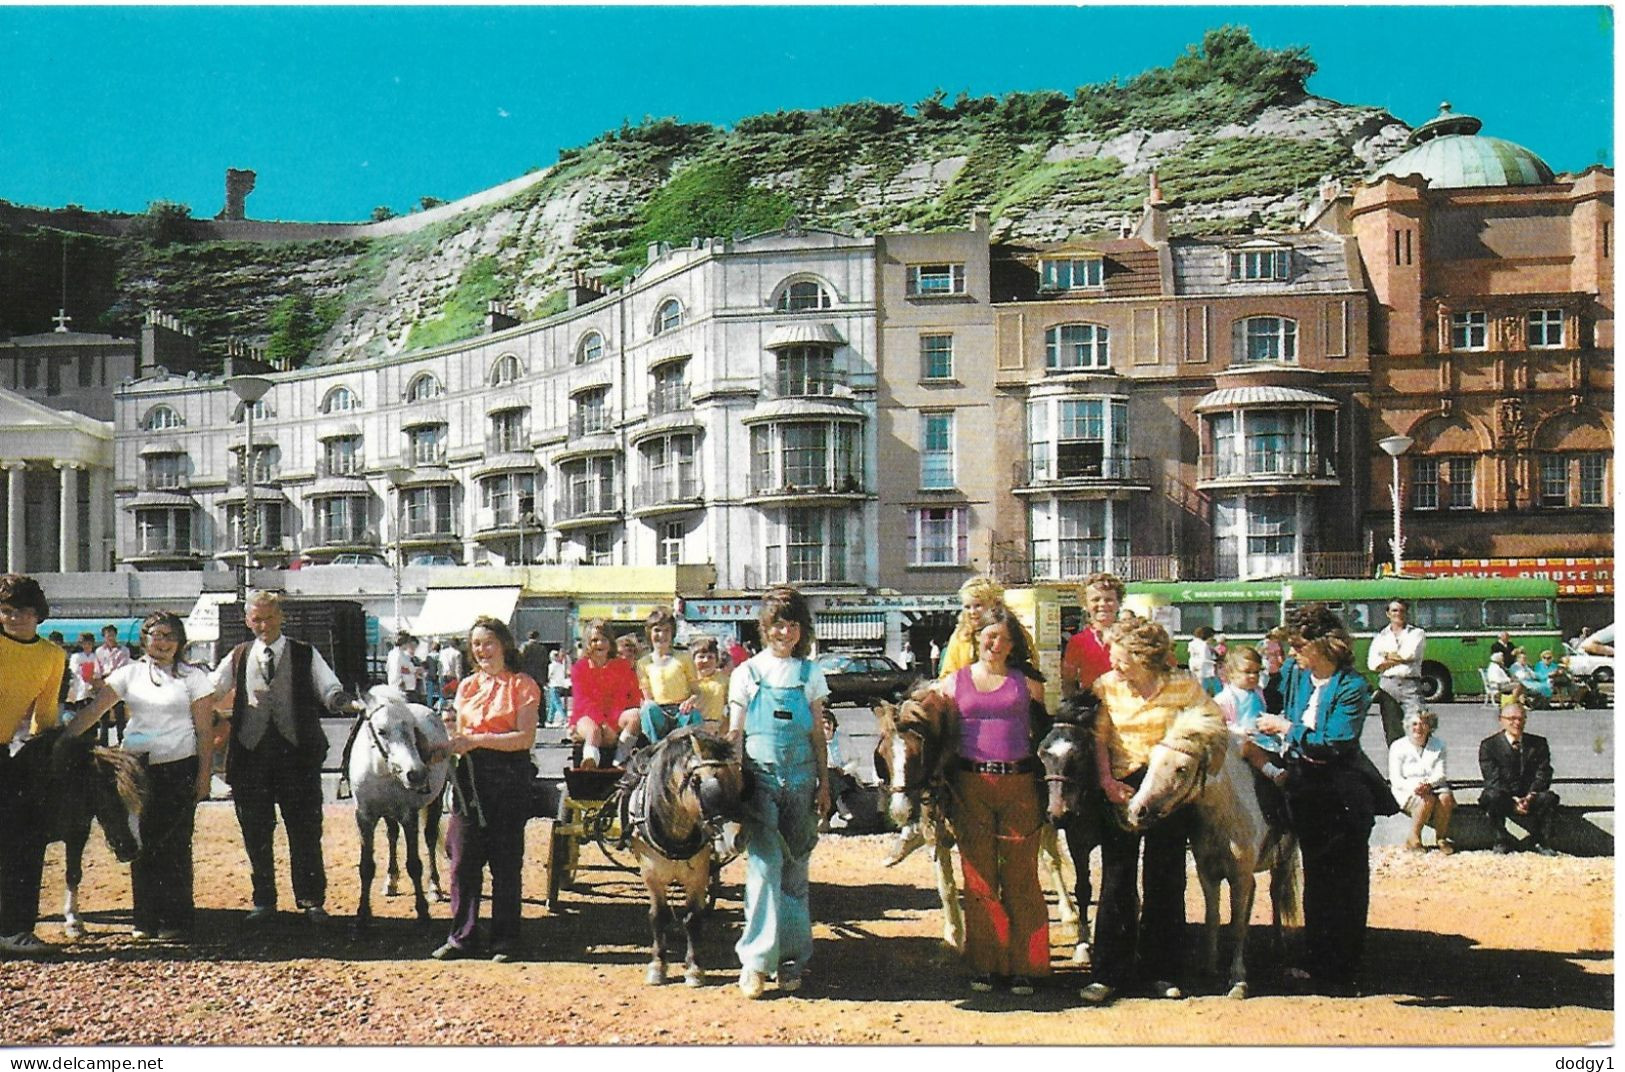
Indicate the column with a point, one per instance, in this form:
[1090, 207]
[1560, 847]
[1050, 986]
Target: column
[68, 516]
[98, 518]
[16, 528]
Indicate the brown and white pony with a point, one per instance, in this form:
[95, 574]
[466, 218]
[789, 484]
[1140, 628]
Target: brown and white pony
[67, 786]
[673, 801]
[913, 757]
[1199, 764]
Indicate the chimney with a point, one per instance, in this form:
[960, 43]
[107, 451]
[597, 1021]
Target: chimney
[581, 290]
[980, 220]
[499, 317]
[1154, 220]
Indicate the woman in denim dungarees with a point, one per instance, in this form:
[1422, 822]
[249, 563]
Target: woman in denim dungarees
[776, 702]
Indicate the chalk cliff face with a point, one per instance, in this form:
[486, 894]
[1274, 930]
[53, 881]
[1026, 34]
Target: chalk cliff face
[1045, 165]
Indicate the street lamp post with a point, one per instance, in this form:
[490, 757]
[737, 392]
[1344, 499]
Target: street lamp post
[397, 477]
[1394, 446]
[250, 389]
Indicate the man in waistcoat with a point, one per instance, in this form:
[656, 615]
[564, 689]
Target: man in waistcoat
[278, 688]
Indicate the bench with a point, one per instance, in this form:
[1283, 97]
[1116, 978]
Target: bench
[1583, 825]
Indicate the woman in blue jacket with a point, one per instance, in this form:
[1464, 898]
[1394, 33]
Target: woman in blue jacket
[1330, 792]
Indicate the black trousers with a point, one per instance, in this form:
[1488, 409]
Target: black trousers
[1498, 805]
[161, 876]
[501, 780]
[22, 852]
[1331, 813]
[1129, 935]
[275, 777]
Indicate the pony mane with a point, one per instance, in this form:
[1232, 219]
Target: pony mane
[1199, 731]
[668, 761]
[128, 777]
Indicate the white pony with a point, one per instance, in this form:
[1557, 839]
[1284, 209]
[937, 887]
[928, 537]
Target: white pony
[399, 764]
[1199, 763]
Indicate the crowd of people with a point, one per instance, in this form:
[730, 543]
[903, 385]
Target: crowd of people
[1295, 702]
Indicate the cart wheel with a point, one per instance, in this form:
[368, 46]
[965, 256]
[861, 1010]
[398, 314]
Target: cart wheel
[560, 866]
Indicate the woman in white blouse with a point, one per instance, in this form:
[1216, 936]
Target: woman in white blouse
[171, 726]
[1416, 774]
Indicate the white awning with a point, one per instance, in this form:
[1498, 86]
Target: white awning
[451, 611]
[203, 624]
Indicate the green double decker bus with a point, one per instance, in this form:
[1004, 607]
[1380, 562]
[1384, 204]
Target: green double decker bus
[1462, 616]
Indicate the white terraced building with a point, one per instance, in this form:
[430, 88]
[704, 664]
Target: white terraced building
[717, 409]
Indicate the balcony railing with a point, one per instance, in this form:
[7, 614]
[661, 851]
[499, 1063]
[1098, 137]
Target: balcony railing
[507, 443]
[154, 546]
[507, 518]
[670, 398]
[426, 454]
[166, 481]
[1267, 465]
[819, 383]
[770, 484]
[339, 536]
[658, 492]
[582, 424]
[351, 465]
[264, 473]
[587, 503]
[1107, 469]
[429, 529]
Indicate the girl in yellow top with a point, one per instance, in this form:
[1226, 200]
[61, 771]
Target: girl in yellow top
[1140, 698]
[669, 683]
[976, 596]
[712, 687]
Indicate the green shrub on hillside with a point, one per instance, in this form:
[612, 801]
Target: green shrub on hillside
[1219, 169]
[714, 197]
[462, 315]
[297, 325]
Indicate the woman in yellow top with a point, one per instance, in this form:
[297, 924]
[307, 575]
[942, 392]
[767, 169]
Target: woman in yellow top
[670, 685]
[1140, 698]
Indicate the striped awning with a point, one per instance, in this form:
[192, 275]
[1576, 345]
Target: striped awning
[1238, 397]
[851, 627]
[816, 333]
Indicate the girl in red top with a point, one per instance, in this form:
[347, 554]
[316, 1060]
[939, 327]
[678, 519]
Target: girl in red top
[604, 695]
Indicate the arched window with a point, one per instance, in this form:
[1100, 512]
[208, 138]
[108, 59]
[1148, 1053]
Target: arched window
[261, 412]
[1076, 346]
[1265, 339]
[591, 348]
[506, 370]
[668, 316]
[160, 417]
[801, 296]
[423, 387]
[340, 400]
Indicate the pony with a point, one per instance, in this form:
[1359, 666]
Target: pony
[430, 818]
[399, 768]
[70, 781]
[913, 756]
[672, 802]
[1199, 763]
[1072, 803]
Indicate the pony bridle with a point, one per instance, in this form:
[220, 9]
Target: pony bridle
[1198, 782]
[695, 779]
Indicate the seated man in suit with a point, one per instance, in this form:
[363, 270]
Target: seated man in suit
[1517, 770]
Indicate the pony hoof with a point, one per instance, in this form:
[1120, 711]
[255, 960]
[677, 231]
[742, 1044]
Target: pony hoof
[655, 975]
[1239, 991]
[694, 978]
[393, 889]
[74, 930]
[1083, 956]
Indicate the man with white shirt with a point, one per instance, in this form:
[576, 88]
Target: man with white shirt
[110, 655]
[278, 689]
[1396, 657]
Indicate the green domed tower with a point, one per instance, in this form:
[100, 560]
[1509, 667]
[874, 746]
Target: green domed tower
[1450, 153]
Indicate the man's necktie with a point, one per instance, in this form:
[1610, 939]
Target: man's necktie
[270, 666]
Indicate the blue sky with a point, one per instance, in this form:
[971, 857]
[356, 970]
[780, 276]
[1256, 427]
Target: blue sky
[342, 109]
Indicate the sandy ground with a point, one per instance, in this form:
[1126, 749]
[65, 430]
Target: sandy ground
[1473, 949]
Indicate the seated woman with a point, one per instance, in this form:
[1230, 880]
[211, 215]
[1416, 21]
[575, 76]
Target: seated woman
[1533, 684]
[604, 696]
[1500, 682]
[1416, 775]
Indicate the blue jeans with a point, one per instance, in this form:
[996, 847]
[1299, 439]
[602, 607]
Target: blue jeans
[555, 706]
[780, 829]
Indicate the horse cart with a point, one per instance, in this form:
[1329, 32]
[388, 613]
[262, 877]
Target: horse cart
[586, 815]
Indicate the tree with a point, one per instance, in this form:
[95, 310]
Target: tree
[162, 224]
[382, 213]
[426, 202]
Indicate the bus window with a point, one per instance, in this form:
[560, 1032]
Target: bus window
[1447, 615]
[1366, 615]
[1192, 615]
[1515, 614]
[1249, 617]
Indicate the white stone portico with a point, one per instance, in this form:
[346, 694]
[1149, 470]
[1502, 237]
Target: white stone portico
[57, 489]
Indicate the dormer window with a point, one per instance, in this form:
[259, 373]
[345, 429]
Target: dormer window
[1075, 273]
[161, 417]
[261, 411]
[1260, 265]
[802, 297]
[590, 349]
[422, 388]
[340, 400]
[506, 370]
[668, 316]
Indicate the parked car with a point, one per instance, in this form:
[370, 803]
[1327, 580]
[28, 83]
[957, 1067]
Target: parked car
[864, 679]
[431, 559]
[1583, 666]
[353, 558]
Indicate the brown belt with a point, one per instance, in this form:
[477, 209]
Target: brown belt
[1020, 766]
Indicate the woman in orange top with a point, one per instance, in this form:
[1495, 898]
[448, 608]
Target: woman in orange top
[493, 728]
